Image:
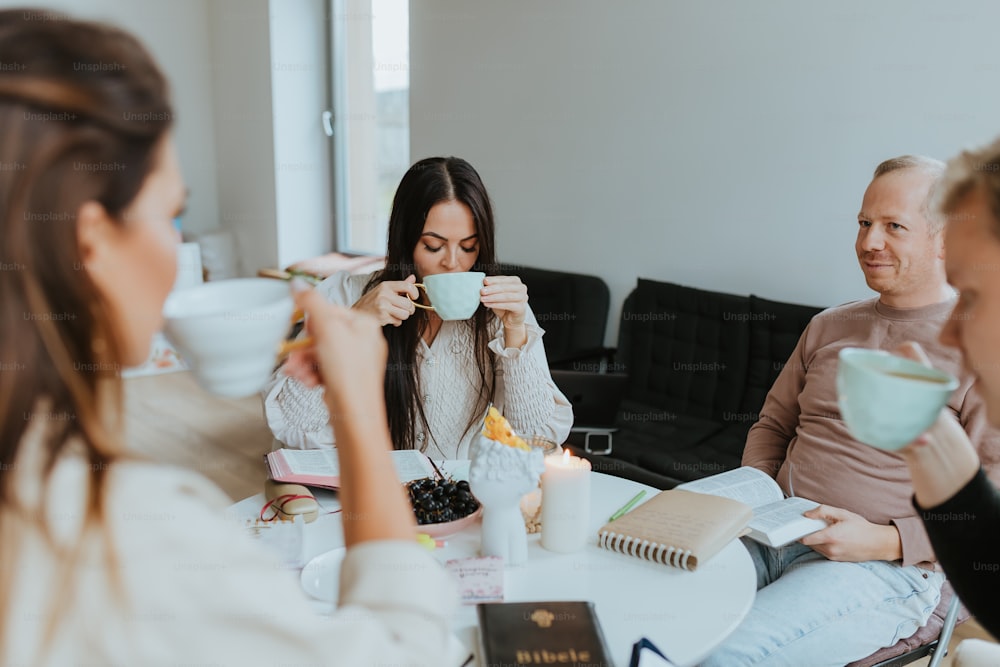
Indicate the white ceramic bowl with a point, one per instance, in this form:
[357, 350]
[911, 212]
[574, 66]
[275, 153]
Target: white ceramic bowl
[888, 401]
[228, 331]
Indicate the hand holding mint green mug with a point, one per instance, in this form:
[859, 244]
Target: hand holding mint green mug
[453, 296]
[888, 401]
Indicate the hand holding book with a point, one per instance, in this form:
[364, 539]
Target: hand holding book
[777, 520]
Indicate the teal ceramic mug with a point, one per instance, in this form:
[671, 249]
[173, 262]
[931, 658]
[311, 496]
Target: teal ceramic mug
[453, 296]
[888, 401]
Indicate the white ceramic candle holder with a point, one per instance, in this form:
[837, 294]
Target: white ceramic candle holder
[499, 476]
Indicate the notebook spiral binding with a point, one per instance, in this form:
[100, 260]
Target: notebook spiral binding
[652, 551]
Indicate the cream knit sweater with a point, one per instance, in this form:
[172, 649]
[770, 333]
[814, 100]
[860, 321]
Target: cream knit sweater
[525, 392]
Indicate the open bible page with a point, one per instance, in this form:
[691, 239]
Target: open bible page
[323, 463]
[747, 485]
[781, 522]
[312, 462]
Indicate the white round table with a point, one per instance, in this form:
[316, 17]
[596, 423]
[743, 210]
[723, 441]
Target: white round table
[686, 614]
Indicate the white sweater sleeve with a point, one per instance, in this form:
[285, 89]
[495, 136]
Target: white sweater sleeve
[296, 414]
[526, 394]
[209, 595]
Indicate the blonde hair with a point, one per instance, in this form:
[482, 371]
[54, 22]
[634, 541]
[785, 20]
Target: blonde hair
[972, 171]
[931, 166]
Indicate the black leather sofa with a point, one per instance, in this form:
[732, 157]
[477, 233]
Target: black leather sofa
[699, 365]
[571, 307]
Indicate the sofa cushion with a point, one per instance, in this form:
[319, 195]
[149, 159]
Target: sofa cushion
[719, 451]
[572, 308]
[685, 349]
[641, 428]
[614, 466]
[699, 365]
[775, 328]
[924, 635]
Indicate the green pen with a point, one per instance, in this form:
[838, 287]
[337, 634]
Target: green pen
[629, 505]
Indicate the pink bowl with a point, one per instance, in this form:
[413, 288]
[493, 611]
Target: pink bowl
[439, 530]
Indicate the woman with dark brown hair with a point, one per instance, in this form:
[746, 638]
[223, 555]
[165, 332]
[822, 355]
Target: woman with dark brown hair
[442, 375]
[106, 558]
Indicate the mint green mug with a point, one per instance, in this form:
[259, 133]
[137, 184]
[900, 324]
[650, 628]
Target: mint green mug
[453, 296]
[888, 401]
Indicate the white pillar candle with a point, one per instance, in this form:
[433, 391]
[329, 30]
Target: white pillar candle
[565, 502]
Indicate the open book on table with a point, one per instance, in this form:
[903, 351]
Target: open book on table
[776, 520]
[320, 467]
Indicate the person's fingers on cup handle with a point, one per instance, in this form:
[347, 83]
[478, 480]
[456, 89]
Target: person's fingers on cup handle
[386, 318]
[413, 295]
[389, 313]
[409, 286]
[397, 313]
[391, 290]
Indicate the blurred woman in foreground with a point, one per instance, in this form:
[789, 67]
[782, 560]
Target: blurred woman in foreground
[105, 558]
[959, 505]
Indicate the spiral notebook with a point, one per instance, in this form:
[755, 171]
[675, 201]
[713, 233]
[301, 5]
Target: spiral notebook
[679, 528]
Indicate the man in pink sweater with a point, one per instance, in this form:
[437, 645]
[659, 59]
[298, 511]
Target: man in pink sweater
[869, 578]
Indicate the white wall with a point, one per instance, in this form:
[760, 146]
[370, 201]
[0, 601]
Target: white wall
[249, 80]
[270, 89]
[244, 128]
[721, 144]
[299, 84]
[176, 33]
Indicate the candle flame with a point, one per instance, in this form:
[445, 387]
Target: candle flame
[565, 457]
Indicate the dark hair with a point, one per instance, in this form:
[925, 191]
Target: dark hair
[428, 182]
[72, 92]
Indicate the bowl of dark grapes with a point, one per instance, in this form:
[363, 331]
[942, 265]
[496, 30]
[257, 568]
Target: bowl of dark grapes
[443, 507]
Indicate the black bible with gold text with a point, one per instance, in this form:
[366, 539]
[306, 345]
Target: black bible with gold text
[525, 634]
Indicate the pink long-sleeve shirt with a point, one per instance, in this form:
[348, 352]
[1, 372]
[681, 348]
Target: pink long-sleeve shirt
[801, 440]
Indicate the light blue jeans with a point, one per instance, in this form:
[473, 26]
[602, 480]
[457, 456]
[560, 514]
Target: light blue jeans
[811, 612]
